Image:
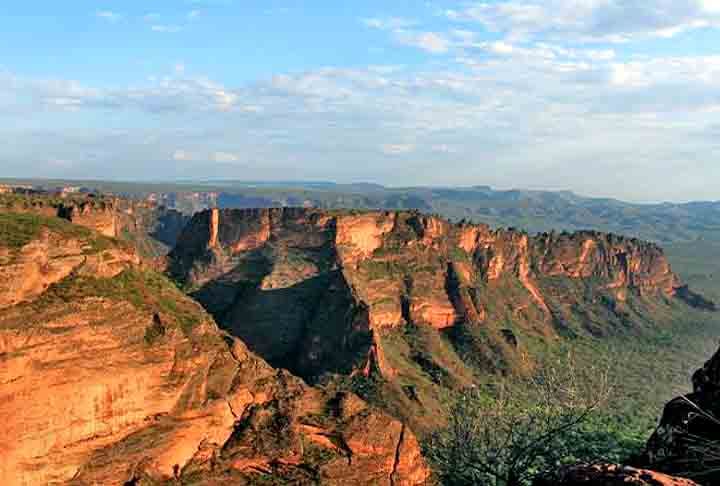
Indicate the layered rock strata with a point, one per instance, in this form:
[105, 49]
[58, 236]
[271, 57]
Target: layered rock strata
[311, 290]
[113, 376]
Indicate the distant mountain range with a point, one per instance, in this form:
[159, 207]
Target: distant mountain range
[533, 211]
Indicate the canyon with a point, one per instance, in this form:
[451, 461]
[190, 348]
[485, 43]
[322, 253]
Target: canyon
[412, 303]
[294, 344]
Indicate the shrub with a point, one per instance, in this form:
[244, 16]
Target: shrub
[520, 431]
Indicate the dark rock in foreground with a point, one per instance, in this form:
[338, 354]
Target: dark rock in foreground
[688, 438]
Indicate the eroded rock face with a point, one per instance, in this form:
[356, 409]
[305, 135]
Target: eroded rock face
[100, 216]
[99, 391]
[611, 475]
[412, 300]
[28, 271]
[269, 275]
[689, 432]
[151, 228]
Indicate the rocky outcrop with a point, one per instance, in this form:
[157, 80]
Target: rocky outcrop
[393, 268]
[118, 378]
[98, 215]
[411, 297]
[54, 253]
[688, 437]
[152, 229]
[366, 242]
[611, 475]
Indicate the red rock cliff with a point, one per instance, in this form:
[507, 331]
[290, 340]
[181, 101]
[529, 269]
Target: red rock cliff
[118, 378]
[303, 282]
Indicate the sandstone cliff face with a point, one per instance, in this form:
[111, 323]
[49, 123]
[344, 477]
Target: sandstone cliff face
[55, 252]
[153, 230]
[100, 216]
[388, 244]
[118, 378]
[410, 297]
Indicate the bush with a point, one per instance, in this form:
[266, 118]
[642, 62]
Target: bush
[524, 430]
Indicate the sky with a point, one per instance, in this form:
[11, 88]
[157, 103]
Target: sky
[617, 98]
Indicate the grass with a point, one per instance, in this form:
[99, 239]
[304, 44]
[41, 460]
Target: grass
[145, 290]
[19, 229]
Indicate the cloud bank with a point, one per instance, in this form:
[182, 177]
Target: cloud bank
[539, 94]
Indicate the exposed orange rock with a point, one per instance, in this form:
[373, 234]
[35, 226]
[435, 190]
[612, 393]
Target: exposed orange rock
[255, 240]
[152, 229]
[439, 312]
[214, 227]
[385, 293]
[26, 273]
[468, 237]
[377, 362]
[102, 219]
[115, 376]
[399, 268]
[357, 237]
[624, 262]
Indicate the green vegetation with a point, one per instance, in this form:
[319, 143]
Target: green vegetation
[458, 254]
[698, 263]
[146, 290]
[520, 431]
[19, 229]
[649, 364]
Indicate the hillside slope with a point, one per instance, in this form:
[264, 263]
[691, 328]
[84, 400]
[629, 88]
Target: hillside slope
[110, 375]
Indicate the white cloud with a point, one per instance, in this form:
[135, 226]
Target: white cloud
[532, 108]
[225, 157]
[182, 155]
[590, 20]
[397, 148]
[389, 23]
[108, 15]
[428, 41]
[60, 163]
[444, 148]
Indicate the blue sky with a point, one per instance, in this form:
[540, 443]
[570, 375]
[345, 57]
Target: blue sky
[604, 97]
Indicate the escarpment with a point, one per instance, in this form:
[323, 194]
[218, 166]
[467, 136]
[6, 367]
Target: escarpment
[116, 377]
[93, 212]
[152, 229]
[412, 297]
